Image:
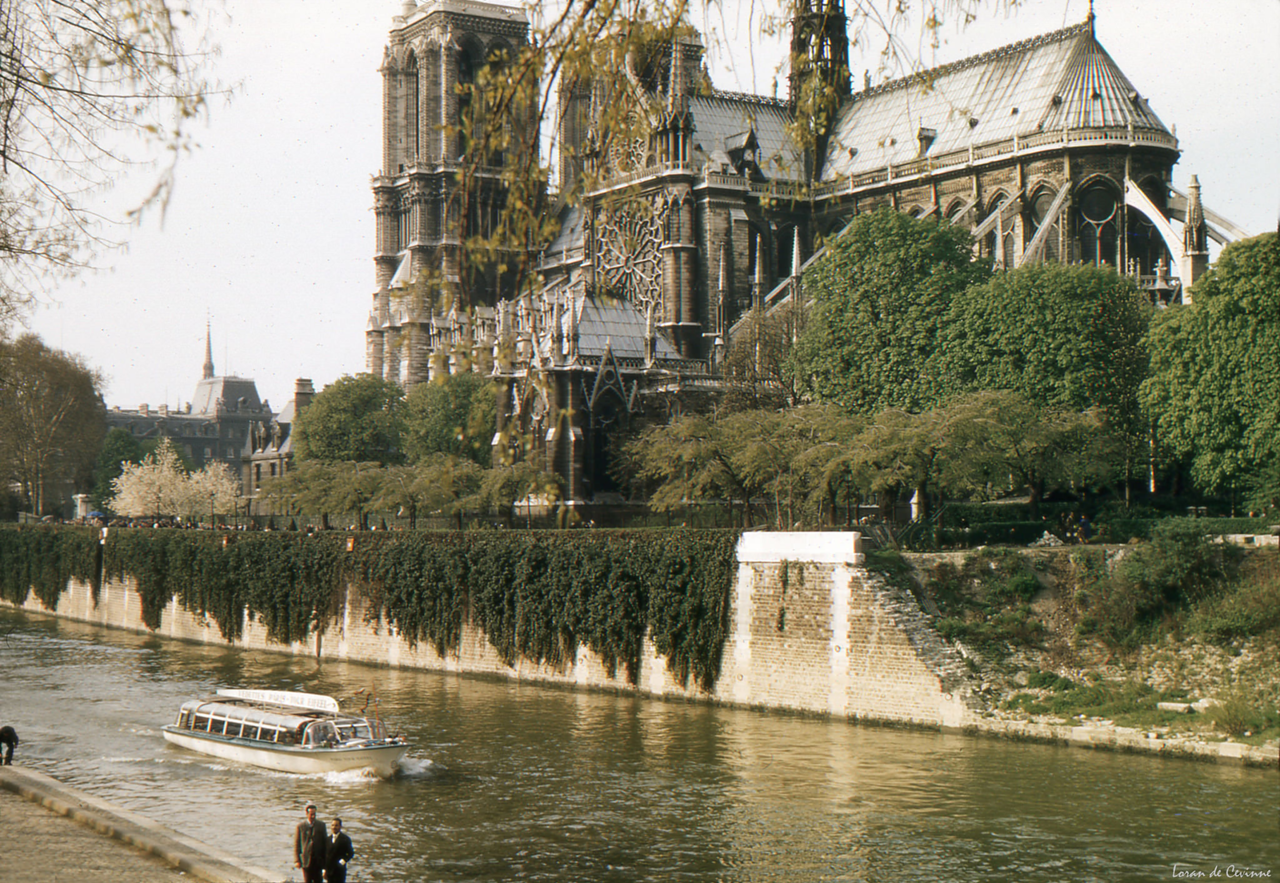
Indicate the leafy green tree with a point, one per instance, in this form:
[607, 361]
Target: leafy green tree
[52, 420]
[119, 448]
[353, 488]
[900, 451]
[1214, 390]
[1063, 336]
[439, 483]
[880, 294]
[686, 461]
[786, 454]
[306, 489]
[833, 473]
[353, 419]
[508, 485]
[1070, 339]
[1002, 440]
[744, 457]
[454, 414]
[755, 368]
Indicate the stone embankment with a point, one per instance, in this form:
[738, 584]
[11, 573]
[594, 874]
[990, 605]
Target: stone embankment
[54, 832]
[809, 630]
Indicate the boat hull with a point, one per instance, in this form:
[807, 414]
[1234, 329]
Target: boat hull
[382, 759]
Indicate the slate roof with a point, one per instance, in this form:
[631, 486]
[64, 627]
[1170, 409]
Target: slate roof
[230, 390]
[567, 246]
[618, 324]
[1061, 79]
[721, 117]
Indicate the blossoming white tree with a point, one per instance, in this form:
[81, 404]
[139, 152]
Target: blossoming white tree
[159, 486]
[214, 489]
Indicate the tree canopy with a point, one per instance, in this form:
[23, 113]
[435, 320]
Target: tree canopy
[454, 414]
[1063, 336]
[119, 448]
[1214, 390]
[355, 418]
[52, 420]
[880, 293]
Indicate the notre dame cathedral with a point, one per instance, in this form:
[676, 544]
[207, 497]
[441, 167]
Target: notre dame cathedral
[712, 208]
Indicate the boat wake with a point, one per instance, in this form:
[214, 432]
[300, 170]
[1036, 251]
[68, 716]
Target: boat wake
[351, 777]
[419, 767]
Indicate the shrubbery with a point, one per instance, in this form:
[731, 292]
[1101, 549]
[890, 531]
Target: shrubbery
[985, 603]
[1177, 568]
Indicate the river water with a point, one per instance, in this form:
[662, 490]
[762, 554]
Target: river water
[510, 781]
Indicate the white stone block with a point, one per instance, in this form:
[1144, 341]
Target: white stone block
[807, 547]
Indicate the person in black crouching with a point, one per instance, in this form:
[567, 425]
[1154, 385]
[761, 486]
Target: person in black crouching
[9, 739]
[338, 854]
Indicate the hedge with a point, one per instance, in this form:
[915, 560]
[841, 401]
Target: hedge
[537, 595]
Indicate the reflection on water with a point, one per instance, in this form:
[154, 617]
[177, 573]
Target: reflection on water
[509, 781]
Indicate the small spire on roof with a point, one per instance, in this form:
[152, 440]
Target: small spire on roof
[208, 352]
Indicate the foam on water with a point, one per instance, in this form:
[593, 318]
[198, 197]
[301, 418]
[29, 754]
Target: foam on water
[413, 767]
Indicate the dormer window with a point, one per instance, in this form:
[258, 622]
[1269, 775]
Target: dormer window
[744, 153]
[926, 137]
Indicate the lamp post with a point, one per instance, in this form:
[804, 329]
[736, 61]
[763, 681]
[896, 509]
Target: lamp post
[213, 517]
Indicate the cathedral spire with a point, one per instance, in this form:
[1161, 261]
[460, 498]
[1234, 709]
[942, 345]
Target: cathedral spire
[208, 353]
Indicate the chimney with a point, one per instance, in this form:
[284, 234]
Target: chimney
[303, 392]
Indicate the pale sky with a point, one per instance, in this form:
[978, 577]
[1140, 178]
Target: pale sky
[269, 235]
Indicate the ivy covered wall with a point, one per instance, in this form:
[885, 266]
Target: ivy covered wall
[535, 595]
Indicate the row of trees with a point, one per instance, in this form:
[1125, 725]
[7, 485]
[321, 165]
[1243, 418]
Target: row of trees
[818, 464]
[90, 93]
[903, 318]
[917, 372]
[364, 446]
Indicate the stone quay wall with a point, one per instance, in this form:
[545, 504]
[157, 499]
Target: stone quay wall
[810, 630]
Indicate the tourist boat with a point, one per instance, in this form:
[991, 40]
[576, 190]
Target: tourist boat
[286, 731]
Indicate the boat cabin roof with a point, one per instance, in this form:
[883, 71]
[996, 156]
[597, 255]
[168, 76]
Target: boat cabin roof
[261, 713]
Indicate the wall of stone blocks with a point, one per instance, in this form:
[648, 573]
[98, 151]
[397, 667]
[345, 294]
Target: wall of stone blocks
[810, 630]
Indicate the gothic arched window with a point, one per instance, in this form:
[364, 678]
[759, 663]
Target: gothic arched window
[1037, 216]
[1097, 217]
[469, 112]
[1144, 246]
[411, 99]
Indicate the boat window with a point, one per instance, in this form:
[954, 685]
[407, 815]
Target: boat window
[203, 722]
[354, 731]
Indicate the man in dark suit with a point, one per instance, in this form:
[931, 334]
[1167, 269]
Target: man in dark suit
[339, 853]
[309, 847]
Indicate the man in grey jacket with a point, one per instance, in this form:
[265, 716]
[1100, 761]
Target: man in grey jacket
[309, 846]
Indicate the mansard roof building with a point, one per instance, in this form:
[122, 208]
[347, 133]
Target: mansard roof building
[1043, 148]
[214, 427]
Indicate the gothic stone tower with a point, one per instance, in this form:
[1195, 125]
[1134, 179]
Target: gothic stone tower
[432, 194]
